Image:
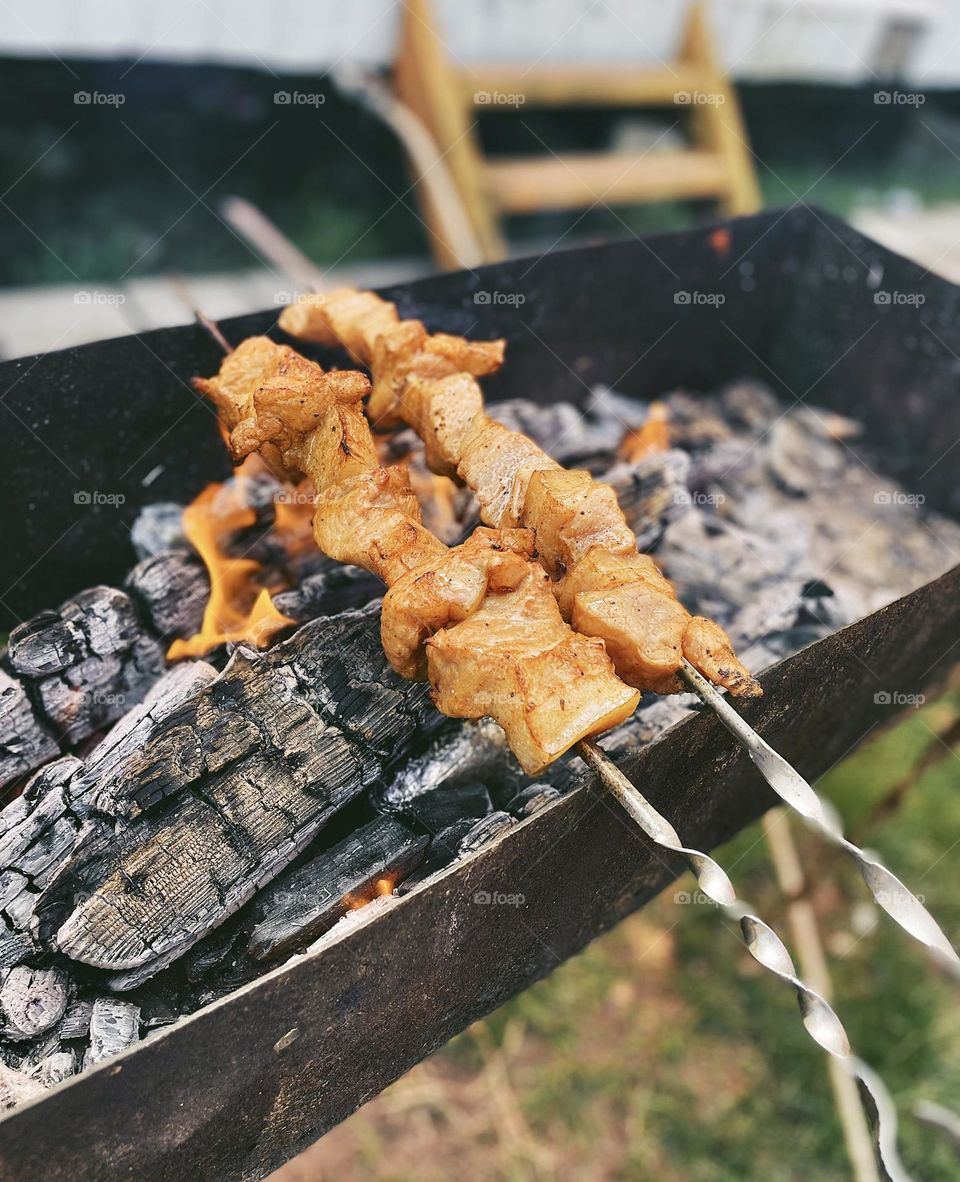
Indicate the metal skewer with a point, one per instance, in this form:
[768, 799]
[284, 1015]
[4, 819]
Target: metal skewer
[762, 942]
[889, 892]
[766, 948]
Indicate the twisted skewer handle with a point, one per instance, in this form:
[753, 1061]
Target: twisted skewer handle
[766, 948]
[889, 892]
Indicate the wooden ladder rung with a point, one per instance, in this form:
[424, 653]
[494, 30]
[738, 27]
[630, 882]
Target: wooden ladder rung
[527, 184]
[567, 85]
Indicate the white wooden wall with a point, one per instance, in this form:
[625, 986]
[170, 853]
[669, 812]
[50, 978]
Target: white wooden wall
[816, 40]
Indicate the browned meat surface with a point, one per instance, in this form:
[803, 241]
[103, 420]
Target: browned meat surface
[583, 539]
[479, 621]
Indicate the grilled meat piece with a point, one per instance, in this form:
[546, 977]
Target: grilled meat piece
[429, 382]
[438, 619]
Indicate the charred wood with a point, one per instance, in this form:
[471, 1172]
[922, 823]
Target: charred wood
[69, 673]
[76, 1020]
[442, 807]
[158, 527]
[171, 588]
[25, 738]
[532, 799]
[114, 1026]
[485, 831]
[40, 827]
[333, 589]
[307, 902]
[32, 1001]
[471, 753]
[225, 794]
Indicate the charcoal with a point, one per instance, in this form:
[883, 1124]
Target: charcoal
[25, 738]
[75, 1022]
[652, 492]
[158, 527]
[485, 831]
[750, 405]
[55, 1068]
[694, 422]
[800, 455]
[328, 592]
[114, 1026]
[560, 428]
[171, 589]
[88, 662]
[16, 1088]
[823, 607]
[212, 950]
[39, 828]
[98, 622]
[532, 799]
[653, 719]
[446, 845]
[615, 414]
[438, 809]
[475, 751]
[32, 1001]
[15, 948]
[769, 610]
[160, 1012]
[176, 687]
[302, 905]
[226, 792]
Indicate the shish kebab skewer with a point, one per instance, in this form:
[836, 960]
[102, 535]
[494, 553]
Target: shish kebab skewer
[605, 588]
[765, 946]
[478, 621]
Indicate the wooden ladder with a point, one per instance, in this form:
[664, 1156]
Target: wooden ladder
[717, 164]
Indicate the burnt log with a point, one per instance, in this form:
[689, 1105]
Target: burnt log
[484, 831]
[652, 492]
[76, 1020]
[158, 527]
[40, 827]
[532, 799]
[25, 738]
[227, 791]
[331, 589]
[86, 663]
[302, 905]
[32, 1001]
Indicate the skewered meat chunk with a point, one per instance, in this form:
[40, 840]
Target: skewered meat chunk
[443, 592]
[581, 530]
[373, 334]
[549, 687]
[517, 640]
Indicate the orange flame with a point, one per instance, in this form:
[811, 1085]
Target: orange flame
[237, 609]
[378, 890]
[653, 436]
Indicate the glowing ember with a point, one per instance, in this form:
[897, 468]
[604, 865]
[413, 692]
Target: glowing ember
[377, 890]
[239, 607]
[653, 436]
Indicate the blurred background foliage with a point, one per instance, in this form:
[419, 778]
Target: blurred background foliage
[134, 190]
